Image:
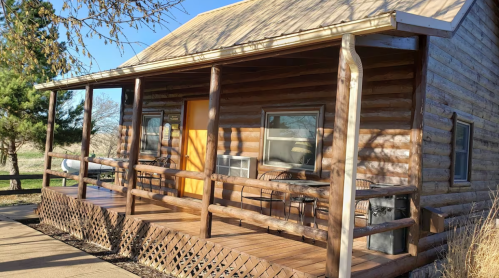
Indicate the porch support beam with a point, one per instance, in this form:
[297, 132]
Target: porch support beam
[352, 153]
[133, 156]
[85, 141]
[344, 161]
[337, 175]
[415, 159]
[49, 142]
[211, 151]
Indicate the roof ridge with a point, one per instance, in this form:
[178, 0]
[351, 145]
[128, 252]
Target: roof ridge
[226, 7]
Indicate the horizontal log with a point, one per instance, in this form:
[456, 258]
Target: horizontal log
[107, 185]
[449, 199]
[170, 172]
[436, 148]
[107, 162]
[175, 201]
[455, 210]
[435, 187]
[277, 186]
[20, 192]
[436, 161]
[64, 156]
[383, 227]
[63, 175]
[20, 177]
[272, 222]
[366, 194]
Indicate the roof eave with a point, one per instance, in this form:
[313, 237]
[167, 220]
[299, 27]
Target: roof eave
[365, 26]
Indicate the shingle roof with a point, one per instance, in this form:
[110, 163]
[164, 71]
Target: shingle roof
[254, 20]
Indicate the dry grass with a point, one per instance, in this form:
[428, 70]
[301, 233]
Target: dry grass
[31, 159]
[473, 246]
[17, 200]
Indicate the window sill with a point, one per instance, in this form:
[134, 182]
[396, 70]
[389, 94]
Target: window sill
[301, 173]
[461, 184]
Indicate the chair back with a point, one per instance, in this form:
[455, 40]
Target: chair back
[275, 175]
[362, 206]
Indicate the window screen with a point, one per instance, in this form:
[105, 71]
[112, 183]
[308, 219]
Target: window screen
[150, 133]
[291, 139]
[462, 151]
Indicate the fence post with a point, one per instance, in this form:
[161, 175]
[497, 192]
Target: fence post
[85, 141]
[49, 143]
[211, 151]
[133, 156]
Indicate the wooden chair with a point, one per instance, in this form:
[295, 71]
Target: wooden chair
[361, 207]
[267, 195]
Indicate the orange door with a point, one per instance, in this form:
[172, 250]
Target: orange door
[195, 145]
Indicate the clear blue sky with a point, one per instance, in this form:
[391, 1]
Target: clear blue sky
[108, 56]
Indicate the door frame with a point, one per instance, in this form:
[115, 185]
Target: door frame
[182, 143]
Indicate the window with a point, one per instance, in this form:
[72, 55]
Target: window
[151, 131]
[462, 151]
[462, 146]
[291, 138]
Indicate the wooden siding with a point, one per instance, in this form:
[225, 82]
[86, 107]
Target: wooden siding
[462, 78]
[384, 146]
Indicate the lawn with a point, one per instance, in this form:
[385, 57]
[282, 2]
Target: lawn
[31, 162]
[28, 184]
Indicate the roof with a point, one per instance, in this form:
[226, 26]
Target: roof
[256, 20]
[254, 27]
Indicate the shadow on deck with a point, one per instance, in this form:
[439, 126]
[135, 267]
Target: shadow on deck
[166, 238]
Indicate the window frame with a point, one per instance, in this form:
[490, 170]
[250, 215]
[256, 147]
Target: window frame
[461, 182]
[319, 109]
[156, 152]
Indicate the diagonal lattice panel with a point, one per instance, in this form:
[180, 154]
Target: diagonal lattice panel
[156, 246]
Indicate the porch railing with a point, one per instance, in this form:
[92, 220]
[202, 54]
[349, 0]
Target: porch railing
[247, 215]
[238, 213]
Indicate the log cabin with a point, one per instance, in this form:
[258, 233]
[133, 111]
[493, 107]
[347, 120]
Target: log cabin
[402, 94]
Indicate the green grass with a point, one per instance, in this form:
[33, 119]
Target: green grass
[28, 184]
[30, 154]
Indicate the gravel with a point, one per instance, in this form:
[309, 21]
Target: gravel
[99, 252]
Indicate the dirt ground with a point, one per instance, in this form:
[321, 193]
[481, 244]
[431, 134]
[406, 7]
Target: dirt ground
[99, 252]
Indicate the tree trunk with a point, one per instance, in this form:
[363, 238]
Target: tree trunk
[14, 166]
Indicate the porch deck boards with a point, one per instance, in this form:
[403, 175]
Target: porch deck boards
[281, 248]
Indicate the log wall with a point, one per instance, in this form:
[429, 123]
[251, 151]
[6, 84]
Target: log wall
[384, 147]
[463, 73]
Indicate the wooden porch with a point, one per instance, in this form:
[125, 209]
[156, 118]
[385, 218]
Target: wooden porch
[340, 246]
[306, 258]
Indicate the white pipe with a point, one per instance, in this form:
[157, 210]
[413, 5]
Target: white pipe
[352, 148]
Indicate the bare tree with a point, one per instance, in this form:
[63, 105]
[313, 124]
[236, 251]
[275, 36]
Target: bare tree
[82, 19]
[105, 117]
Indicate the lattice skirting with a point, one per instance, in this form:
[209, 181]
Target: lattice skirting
[166, 250]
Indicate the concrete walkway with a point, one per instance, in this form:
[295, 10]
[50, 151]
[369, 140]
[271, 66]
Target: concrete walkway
[24, 212]
[25, 252]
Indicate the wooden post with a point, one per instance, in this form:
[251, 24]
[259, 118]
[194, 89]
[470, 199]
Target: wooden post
[338, 168]
[211, 151]
[118, 177]
[49, 143]
[85, 141]
[133, 156]
[415, 159]
[352, 152]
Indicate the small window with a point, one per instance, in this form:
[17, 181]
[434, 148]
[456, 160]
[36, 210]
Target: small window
[291, 139]
[151, 125]
[462, 151]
